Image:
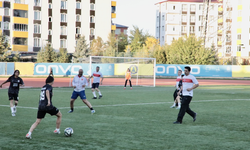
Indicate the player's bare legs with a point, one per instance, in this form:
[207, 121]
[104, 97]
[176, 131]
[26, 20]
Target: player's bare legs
[178, 101]
[89, 105]
[99, 92]
[59, 119]
[72, 105]
[12, 107]
[34, 125]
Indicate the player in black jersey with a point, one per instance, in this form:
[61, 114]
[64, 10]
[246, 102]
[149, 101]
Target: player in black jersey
[45, 106]
[15, 83]
[178, 95]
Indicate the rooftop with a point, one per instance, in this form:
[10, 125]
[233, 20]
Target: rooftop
[188, 1]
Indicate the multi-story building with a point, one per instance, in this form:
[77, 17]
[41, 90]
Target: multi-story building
[228, 23]
[121, 29]
[30, 24]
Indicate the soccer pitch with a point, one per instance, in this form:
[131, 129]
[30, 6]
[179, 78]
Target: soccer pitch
[131, 119]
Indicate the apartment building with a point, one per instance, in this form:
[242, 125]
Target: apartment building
[228, 24]
[31, 24]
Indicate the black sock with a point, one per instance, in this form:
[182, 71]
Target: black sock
[91, 108]
[72, 109]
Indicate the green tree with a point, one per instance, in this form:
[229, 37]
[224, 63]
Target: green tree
[63, 57]
[137, 38]
[47, 54]
[122, 42]
[5, 53]
[110, 49]
[82, 51]
[190, 50]
[97, 47]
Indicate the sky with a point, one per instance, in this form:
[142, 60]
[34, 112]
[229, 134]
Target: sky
[140, 13]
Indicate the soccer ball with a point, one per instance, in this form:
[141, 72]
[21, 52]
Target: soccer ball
[68, 131]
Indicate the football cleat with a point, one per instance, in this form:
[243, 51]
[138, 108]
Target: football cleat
[100, 96]
[178, 107]
[94, 98]
[28, 136]
[92, 111]
[124, 88]
[13, 114]
[173, 106]
[70, 111]
[131, 88]
[57, 131]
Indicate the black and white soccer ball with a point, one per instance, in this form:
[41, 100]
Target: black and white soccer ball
[68, 132]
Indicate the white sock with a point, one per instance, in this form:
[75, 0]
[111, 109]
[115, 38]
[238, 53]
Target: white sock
[29, 133]
[94, 94]
[174, 104]
[12, 109]
[179, 104]
[57, 129]
[100, 93]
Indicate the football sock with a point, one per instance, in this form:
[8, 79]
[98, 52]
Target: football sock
[179, 104]
[100, 93]
[57, 129]
[29, 133]
[72, 109]
[12, 109]
[94, 94]
[91, 108]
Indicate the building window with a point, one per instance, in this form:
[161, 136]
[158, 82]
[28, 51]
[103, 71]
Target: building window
[63, 4]
[228, 49]
[63, 44]
[184, 29]
[50, 6]
[49, 32]
[228, 38]
[212, 7]
[162, 38]
[92, 31]
[78, 30]
[92, 19]
[37, 3]
[157, 18]
[239, 37]
[184, 18]
[63, 17]
[192, 29]
[192, 18]
[37, 42]
[192, 7]
[239, 48]
[63, 30]
[37, 15]
[6, 26]
[76, 42]
[78, 5]
[163, 17]
[200, 28]
[174, 28]
[125, 31]
[113, 9]
[20, 27]
[184, 7]
[201, 7]
[78, 18]
[21, 13]
[37, 28]
[173, 7]
[239, 13]
[6, 12]
[118, 31]
[92, 6]
[20, 41]
[50, 19]
[0, 25]
[200, 18]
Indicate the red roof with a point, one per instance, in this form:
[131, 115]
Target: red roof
[188, 1]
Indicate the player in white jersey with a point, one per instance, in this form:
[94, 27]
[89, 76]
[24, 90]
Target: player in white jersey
[178, 79]
[189, 83]
[97, 75]
[79, 82]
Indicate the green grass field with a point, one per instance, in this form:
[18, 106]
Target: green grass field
[132, 119]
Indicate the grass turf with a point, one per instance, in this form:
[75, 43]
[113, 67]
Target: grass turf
[132, 119]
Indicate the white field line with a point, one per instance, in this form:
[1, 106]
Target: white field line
[137, 104]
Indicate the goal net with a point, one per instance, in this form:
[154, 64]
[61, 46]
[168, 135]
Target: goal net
[114, 69]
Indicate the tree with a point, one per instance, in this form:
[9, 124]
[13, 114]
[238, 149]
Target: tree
[47, 54]
[97, 47]
[190, 50]
[122, 42]
[82, 51]
[5, 53]
[137, 38]
[110, 49]
[63, 57]
[161, 54]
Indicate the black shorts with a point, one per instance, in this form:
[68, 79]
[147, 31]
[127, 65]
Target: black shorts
[13, 96]
[42, 110]
[175, 94]
[95, 85]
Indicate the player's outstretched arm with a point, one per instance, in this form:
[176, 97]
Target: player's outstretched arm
[4, 83]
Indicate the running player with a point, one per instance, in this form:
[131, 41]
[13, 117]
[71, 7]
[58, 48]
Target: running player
[97, 75]
[45, 106]
[189, 83]
[79, 82]
[177, 88]
[15, 83]
[128, 77]
[179, 92]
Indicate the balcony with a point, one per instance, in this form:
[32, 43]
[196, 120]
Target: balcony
[113, 27]
[20, 20]
[238, 42]
[20, 6]
[113, 3]
[113, 15]
[238, 54]
[219, 32]
[21, 34]
[23, 48]
[219, 43]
